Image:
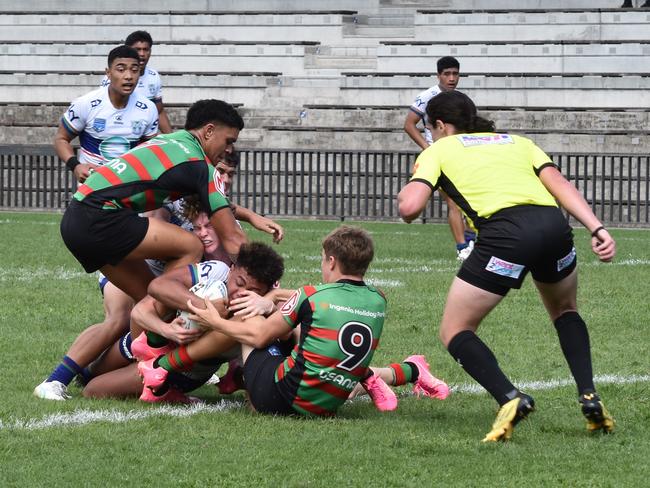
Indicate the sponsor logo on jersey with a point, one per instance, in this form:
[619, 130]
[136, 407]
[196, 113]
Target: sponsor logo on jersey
[71, 115]
[114, 147]
[141, 105]
[118, 120]
[338, 379]
[95, 103]
[99, 125]
[504, 268]
[566, 260]
[469, 140]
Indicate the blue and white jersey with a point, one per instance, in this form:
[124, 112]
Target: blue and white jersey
[149, 85]
[209, 274]
[106, 132]
[420, 107]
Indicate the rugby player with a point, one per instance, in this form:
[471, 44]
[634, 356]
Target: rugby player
[448, 69]
[509, 188]
[149, 84]
[255, 272]
[108, 121]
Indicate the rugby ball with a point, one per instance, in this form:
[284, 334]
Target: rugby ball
[210, 289]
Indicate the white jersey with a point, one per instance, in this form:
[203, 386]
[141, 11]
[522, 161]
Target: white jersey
[149, 85]
[420, 107]
[106, 132]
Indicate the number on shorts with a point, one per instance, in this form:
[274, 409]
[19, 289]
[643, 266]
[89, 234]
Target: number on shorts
[355, 340]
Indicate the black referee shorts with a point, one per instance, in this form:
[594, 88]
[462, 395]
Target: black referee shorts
[98, 237]
[259, 378]
[517, 240]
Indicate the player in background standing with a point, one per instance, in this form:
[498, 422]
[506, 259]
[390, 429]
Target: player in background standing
[108, 121]
[448, 76]
[150, 84]
[509, 188]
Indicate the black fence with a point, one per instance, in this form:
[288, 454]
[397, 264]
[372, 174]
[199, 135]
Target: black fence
[342, 185]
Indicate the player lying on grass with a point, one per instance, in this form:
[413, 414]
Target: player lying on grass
[340, 325]
[95, 339]
[509, 188]
[258, 268]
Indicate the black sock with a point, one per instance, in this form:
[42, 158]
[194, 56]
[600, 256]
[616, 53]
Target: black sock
[415, 371]
[574, 340]
[478, 361]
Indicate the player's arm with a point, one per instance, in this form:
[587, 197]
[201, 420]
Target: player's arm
[410, 127]
[412, 199]
[230, 234]
[63, 148]
[172, 289]
[256, 332]
[147, 314]
[259, 222]
[164, 125]
[570, 198]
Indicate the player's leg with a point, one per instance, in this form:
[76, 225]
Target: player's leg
[465, 308]
[156, 371]
[119, 383]
[561, 304]
[162, 241]
[413, 370]
[89, 345]
[456, 224]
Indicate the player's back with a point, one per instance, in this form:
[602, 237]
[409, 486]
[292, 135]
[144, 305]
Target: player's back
[340, 328]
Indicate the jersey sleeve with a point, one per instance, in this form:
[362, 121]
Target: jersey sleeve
[74, 119]
[152, 124]
[216, 194]
[539, 158]
[290, 309]
[427, 168]
[157, 95]
[419, 105]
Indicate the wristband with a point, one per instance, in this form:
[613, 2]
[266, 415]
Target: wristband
[72, 163]
[597, 230]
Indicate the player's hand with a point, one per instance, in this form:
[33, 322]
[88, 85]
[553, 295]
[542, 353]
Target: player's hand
[179, 334]
[603, 245]
[84, 170]
[269, 226]
[208, 317]
[249, 304]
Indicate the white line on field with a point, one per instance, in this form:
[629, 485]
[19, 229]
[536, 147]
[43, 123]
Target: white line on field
[84, 417]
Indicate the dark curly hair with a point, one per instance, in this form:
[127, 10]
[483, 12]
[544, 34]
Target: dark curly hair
[261, 262]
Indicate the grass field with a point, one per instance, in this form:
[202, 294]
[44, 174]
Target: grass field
[46, 299]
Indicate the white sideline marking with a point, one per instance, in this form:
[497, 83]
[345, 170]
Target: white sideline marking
[84, 417]
[385, 283]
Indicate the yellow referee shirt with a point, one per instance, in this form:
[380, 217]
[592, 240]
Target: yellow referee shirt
[485, 172]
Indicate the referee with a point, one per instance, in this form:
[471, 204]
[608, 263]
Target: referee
[508, 187]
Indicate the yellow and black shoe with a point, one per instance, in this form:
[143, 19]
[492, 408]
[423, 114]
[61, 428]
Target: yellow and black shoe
[508, 416]
[598, 418]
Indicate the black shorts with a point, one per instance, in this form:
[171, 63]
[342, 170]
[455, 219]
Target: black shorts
[202, 371]
[98, 237]
[259, 378]
[517, 240]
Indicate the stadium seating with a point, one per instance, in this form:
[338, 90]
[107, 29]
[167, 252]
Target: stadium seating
[317, 73]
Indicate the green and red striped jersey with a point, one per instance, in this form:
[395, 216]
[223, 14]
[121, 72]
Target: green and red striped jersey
[340, 326]
[159, 171]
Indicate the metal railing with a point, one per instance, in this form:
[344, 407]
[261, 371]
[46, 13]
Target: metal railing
[343, 185]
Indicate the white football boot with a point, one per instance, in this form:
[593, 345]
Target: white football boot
[52, 390]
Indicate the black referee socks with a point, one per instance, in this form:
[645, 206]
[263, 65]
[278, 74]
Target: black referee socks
[478, 361]
[574, 340]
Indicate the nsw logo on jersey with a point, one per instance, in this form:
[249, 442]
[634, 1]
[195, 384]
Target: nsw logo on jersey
[99, 125]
